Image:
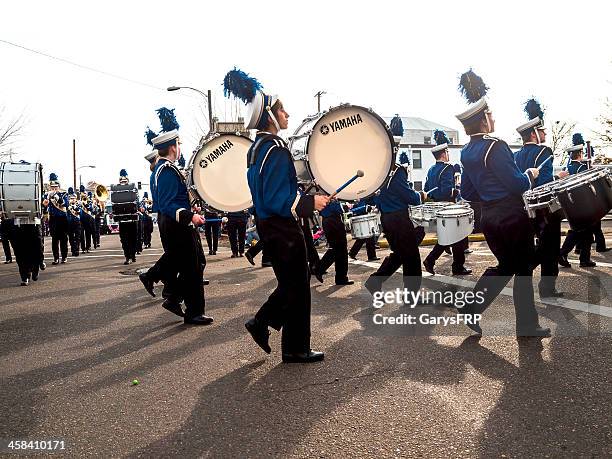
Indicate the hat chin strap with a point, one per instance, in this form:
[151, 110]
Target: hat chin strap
[537, 136]
[273, 118]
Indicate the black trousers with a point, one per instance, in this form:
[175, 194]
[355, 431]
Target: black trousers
[96, 232]
[212, 230]
[288, 307]
[74, 236]
[259, 247]
[600, 240]
[370, 244]
[127, 234]
[185, 256]
[26, 243]
[337, 253]
[548, 249]
[139, 238]
[236, 231]
[581, 240]
[6, 228]
[87, 229]
[147, 230]
[59, 236]
[404, 242]
[311, 250]
[458, 251]
[509, 235]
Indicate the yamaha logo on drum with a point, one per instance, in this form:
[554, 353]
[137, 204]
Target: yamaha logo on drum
[341, 124]
[225, 146]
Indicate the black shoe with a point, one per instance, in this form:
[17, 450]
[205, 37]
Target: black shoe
[241, 254]
[10, 260]
[462, 272]
[577, 251]
[199, 320]
[173, 307]
[148, 284]
[210, 252]
[475, 328]
[563, 261]
[205, 282]
[538, 331]
[429, 266]
[126, 262]
[260, 334]
[374, 259]
[55, 262]
[467, 251]
[550, 294]
[303, 357]
[588, 264]
[63, 260]
[35, 276]
[249, 258]
[234, 255]
[345, 282]
[42, 266]
[604, 250]
[133, 259]
[25, 282]
[138, 253]
[352, 257]
[266, 264]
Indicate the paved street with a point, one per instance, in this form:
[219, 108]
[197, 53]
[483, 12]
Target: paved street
[72, 342]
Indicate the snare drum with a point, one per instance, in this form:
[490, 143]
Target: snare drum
[541, 200]
[454, 223]
[21, 192]
[330, 147]
[585, 197]
[365, 226]
[217, 173]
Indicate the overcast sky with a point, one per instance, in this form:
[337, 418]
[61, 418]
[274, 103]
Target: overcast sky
[396, 57]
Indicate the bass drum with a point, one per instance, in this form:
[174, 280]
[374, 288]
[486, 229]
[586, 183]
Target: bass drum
[330, 147]
[21, 191]
[217, 173]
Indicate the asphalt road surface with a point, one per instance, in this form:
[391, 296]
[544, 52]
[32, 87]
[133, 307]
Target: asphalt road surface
[72, 343]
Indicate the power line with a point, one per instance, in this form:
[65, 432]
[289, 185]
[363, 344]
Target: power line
[85, 67]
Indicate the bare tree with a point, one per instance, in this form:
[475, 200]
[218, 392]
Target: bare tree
[561, 133]
[10, 131]
[604, 133]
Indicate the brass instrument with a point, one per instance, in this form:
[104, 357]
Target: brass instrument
[99, 191]
[56, 198]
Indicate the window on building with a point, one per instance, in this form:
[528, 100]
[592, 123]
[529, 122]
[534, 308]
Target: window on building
[418, 186]
[416, 159]
[427, 140]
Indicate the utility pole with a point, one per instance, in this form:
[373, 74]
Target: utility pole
[210, 116]
[318, 96]
[74, 164]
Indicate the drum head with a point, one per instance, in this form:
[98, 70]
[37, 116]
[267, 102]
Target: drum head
[219, 173]
[347, 139]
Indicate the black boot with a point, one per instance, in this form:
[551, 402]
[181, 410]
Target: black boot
[260, 334]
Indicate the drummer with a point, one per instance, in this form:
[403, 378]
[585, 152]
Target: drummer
[491, 176]
[361, 208]
[440, 186]
[337, 253]
[548, 226]
[393, 202]
[579, 239]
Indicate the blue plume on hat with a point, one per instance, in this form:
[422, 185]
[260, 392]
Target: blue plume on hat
[90, 194]
[457, 168]
[150, 135]
[82, 188]
[403, 158]
[53, 177]
[181, 161]
[397, 127]
[472, 87]
[440, 137]
[146, 195]
[167, 119]
[123, 173]
[533, 109]
[577, 139]
[239, 84]
[70, 190]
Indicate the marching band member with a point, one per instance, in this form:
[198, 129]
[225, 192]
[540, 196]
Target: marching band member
[58, 220]
[178, 224]
[98, 215]
[74, 222]
[147, 221]
[337, 253]
[273, 183]
[580, 239]
[491, 176]
[26, 241]
[440, 186]
[393, 202]
[86, 221]
[361, 208]
[6, 227]
[212, 229]
[127, 230]
[253, 250]
[236, 231]
[548, 227]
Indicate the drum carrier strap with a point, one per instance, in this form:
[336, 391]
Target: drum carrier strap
[254, 151]
[535, 162]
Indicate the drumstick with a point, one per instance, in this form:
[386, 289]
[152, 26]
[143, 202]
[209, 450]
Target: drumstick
[433, 189]
[544, 162]
[351, 180]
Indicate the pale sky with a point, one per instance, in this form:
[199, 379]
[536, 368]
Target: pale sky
[396, 57]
